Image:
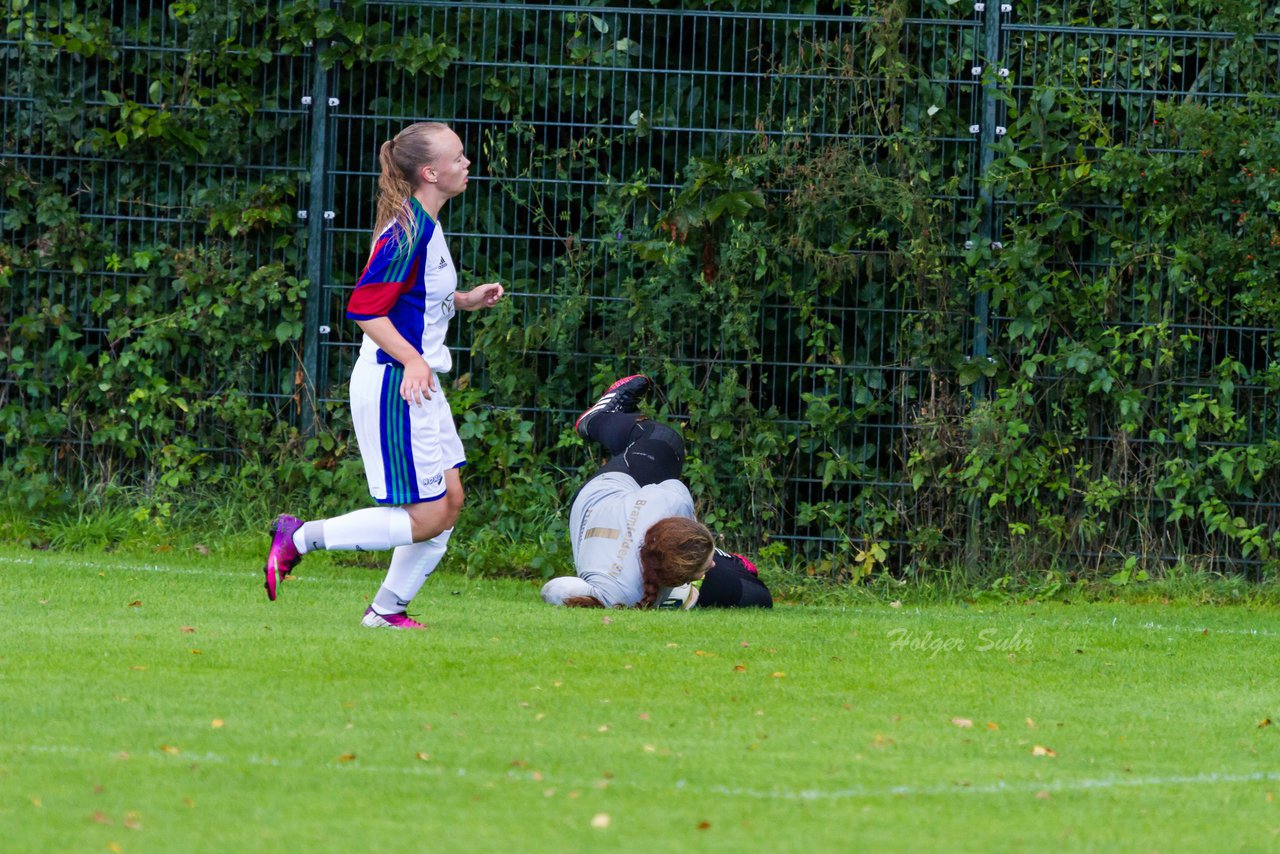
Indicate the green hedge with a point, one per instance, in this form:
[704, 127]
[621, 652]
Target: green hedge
[802, 298]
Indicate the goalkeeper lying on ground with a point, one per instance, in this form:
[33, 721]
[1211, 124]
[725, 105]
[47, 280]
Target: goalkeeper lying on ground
[636, 542]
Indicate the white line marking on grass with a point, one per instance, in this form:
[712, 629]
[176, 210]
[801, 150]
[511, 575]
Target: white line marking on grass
[999, 787]
[213, 573]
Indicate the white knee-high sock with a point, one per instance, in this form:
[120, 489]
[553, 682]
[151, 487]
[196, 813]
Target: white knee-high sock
[368, 530]
[410, 566]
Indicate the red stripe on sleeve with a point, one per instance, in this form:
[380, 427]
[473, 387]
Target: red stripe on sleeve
[371, 300]
[375, 294]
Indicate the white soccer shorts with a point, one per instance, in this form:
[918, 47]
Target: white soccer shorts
[406, 449]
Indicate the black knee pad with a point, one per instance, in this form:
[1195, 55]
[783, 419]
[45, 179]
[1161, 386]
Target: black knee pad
[658, 432]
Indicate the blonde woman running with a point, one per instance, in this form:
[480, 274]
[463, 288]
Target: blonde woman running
[402, 302]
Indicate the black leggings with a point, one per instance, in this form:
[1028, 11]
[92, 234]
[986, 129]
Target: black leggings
[648, 451]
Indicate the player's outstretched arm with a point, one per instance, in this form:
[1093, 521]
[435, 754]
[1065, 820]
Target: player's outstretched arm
[481, 296]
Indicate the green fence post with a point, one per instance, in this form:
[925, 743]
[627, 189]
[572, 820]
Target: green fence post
[989, 131]
[317, 215]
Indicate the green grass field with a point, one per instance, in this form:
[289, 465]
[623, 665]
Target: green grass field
[162, 704]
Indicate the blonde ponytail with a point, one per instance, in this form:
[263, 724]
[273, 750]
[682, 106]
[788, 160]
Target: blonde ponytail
[400, 160]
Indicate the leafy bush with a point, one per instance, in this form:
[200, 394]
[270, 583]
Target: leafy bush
[795, 283]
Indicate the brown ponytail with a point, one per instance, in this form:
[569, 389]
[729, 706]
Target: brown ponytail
[400, 159]
[675, 551]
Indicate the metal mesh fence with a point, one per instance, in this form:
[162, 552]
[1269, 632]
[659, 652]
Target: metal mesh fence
[1128, 62]
[561, 103]
[128, 210]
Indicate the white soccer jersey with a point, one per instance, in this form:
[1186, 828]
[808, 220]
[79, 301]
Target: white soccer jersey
[413, 289]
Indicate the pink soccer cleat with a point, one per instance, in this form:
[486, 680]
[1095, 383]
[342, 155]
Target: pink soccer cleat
[373, 620]
[283, 556]
[622, 396]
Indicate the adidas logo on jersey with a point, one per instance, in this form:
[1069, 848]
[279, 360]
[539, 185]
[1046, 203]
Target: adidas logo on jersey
[443, 263]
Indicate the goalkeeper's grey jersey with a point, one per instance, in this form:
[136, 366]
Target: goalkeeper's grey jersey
[607, 524]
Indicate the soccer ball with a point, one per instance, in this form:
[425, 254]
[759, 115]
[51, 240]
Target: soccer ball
[683, 598]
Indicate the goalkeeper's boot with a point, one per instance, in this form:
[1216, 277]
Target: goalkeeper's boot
[373, 620]
[622, 396]
[283, 556]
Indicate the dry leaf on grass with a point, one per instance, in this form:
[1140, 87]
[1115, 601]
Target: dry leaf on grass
[600, 820]
[963, 723]
[1041, 750]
